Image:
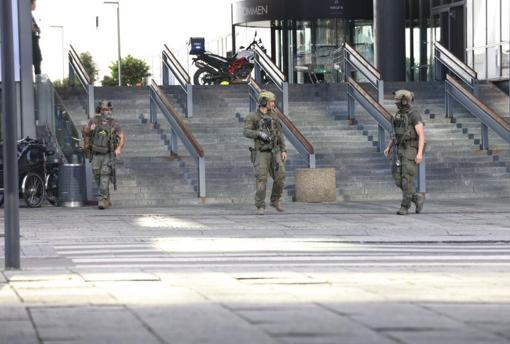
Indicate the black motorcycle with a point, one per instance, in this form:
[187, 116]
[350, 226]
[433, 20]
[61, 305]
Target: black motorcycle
[38, 173]
[215, 69]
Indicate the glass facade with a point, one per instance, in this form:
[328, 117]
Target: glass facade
[487, 33]
[307, 50]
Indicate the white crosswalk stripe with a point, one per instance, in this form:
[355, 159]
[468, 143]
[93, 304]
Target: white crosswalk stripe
[147, 254]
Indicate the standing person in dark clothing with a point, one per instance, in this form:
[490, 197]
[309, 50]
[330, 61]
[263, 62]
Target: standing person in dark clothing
[36, 50]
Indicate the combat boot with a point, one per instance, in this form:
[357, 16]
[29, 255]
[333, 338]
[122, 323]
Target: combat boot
[101, 204]
[277, 205]
[419, 200]
[261, 211]
[403, 211]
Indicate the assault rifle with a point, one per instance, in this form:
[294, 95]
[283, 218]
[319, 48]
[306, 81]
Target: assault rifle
[113, 159]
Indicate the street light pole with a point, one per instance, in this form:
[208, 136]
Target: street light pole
[63, 55]
[9, 129]
[118, 38]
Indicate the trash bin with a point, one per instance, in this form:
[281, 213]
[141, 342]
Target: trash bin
[71, 185]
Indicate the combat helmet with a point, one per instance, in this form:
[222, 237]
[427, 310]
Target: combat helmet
[403, 97]
[265, 97]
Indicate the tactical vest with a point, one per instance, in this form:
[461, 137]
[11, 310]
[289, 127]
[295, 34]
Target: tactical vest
[102, 138]
[272, 127]
[405, 132]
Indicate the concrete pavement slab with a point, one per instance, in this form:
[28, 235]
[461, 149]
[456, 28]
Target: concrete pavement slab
[202, 323]
[18, 332]
[91, 325]
[420, 336]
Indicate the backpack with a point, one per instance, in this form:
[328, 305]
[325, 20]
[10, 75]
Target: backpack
[101, 140]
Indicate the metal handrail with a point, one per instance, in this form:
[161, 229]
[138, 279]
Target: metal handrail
[383, 119]
[488, 118]
[51, 111]
[465, 73]
[264, 62]
[170, 64]
[76, 69]
[492, 45]
[80, 69]
[179, 129]
[355, 62]
[291, 132]
[270, 67]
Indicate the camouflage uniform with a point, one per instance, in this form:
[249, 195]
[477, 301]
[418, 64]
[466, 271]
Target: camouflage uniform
[101, 163]
[406, 143]
[266, 158]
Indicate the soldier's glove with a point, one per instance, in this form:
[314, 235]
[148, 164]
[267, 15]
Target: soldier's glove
[264, 136]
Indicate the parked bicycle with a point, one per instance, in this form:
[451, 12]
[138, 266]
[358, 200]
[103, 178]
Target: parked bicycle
[38, 173]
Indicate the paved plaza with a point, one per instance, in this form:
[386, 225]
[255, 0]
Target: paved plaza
[320, 273]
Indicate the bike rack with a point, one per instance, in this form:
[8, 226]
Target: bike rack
[172, 66]
[76, 69]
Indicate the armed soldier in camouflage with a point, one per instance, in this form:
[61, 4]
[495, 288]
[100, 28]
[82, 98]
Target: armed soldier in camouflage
[104, 140]
[409, 141]
[269, 154]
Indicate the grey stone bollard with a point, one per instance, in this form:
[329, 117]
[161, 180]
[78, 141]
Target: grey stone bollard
[315, 185]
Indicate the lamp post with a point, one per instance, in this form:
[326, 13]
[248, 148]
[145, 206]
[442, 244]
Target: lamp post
[63, 55]
[10, 63]
[118, 37]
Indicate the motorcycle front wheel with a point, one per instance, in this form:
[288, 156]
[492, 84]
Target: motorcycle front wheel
[52, 189]
[203, 77]
[33, 190]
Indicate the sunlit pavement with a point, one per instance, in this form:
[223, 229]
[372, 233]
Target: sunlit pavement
[321, 273]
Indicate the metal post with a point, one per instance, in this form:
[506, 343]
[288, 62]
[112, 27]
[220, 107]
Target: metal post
[422, 179]
[380, 92]
[285, 91]
[381, 144]
[152, 110]
[476, 89]
[92, 110]
[311, 161]
[201, 177]
[350, 106]
[164, 72]
[257, 71]
[189, 100]
[173, 141]
[485, 136]
[9, 126]
[26, 86]
[118, 44]
[119, 62]
[71, 74]
[447, 102]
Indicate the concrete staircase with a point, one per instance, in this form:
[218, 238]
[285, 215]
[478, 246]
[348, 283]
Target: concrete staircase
[147, 174]
[150, 176]
[456, 168]
[218, 121]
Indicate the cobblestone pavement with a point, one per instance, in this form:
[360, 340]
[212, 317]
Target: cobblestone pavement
[322, 273]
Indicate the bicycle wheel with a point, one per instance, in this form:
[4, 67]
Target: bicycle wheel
[33, 190]
[52, 189]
